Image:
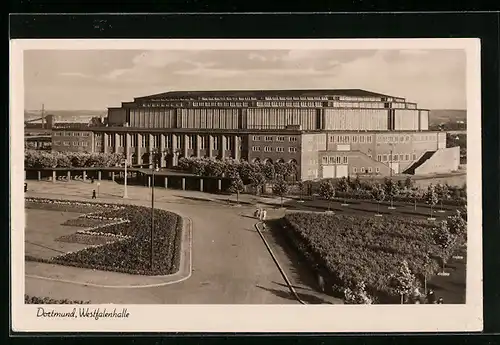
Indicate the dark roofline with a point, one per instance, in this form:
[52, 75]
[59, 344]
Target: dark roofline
[277, 92]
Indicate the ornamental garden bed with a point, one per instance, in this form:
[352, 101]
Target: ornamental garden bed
[122, 246]
[347, 250]
[46, 300]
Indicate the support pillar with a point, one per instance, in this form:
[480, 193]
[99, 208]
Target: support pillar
[116, 143]
[138, 148]
[127, 146]
[84, 176]
[223, 146]
[151, 139]
[210, 146]
[199, 138]
[149, 181]
[166, 182]
[219, 185]
[236, 149]
[99, 175]
[53, 176]
[113, 176]
[105, 142]
[39, 175]
[201, 185]
[185, 145]
[162, 150]
[69, 175]
[183, 183]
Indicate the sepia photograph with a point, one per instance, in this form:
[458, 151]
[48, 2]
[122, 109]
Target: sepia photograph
[318, 180]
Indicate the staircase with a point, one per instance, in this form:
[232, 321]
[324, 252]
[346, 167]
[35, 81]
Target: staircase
[426, 156]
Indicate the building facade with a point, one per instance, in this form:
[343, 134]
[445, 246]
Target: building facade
[325, 133]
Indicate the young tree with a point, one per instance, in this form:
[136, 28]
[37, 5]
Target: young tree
[258, 180]
[301, 186]
[357, 295]
[431, 198]
[457, 225]
[443, 239]
[442, 193]
[236, 186]
[415, 192]
[378, 195]
[327, 192]
[403, 281]
[268, 171]
[408, 183]
[343, 186]
[391, 191]
[280, 188]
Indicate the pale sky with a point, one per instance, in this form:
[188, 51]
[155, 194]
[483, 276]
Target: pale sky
[97, 79]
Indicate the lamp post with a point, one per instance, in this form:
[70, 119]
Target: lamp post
[125, 192]
[154, 167]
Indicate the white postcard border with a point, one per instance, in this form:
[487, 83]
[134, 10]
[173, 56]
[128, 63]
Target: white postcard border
[256, 318]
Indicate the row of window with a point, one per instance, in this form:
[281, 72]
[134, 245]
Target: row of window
[190, 141]
[73, 143]
[398, 157]
[335, 159]
[71, 134]
[270, 149]
[279, 138]
[364, 170]
[345, 139]
[220, 104]
[290, 104]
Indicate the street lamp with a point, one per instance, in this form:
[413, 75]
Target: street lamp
[154, 168]
[125, 193]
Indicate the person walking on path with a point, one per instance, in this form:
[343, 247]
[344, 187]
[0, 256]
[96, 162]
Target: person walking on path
[93, 194]
[440, 300]
[263, 215]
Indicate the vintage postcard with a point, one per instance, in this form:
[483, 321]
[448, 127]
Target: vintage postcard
[246, 185]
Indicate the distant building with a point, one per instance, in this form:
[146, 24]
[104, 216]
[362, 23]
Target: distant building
[325, 133]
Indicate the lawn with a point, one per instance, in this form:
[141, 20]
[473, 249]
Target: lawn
[121, 243]
[44, 228]
[348, 249]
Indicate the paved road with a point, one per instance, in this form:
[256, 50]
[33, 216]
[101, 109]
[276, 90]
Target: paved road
[230, 263]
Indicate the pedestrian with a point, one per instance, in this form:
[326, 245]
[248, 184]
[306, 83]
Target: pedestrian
[92, 179]
[321, 282]
[440, 300]
[256, 214]
[431, 298]
[25, 187]
[264, 214]
[93, 194]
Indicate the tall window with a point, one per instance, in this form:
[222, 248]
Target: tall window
[292, 149]
[179, 142]
[216, 143]
[280, 149]
[121, 139]
[228, 144]
[203, 142]
[256, 148]
[344, 160]
[168, 141]
[379, 158]
[268, 149]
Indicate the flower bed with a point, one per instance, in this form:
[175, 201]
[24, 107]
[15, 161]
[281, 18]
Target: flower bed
[87, 239]
[46, 300]
[131, 233]
[348, 250]
[86, 222]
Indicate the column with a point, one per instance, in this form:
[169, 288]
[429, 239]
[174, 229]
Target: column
[113, 176]
[138, 148]
[53, 176]
[166, 182]
[39, 173]
[201, 185]
[210, 145]
[105, 142]
[185, 146]
[199, 138]
[151, 142]
[69, 175]
[117, 142]
[127, 146]
[223, 146]
[219, 184]
[183, 183]
[149, 181]
[99, 175]
[84, 175]
[162, 150]
[237, 143]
